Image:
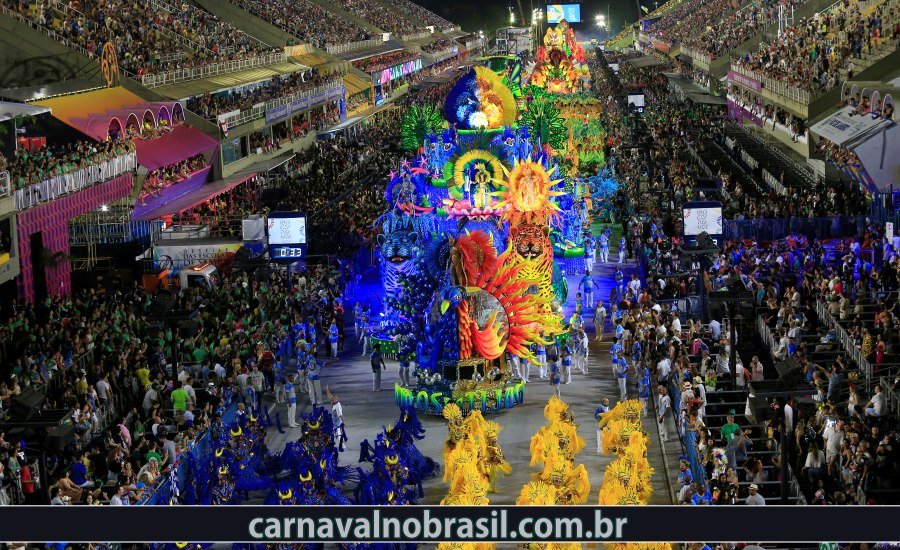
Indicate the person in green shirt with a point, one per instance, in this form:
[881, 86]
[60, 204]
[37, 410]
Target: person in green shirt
[730, 428]
[179, 398]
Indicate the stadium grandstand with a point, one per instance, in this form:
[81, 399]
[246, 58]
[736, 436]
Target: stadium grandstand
[150, 323]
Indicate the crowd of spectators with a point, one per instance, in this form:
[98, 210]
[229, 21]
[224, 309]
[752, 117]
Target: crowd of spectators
[27, 167]
[159, 179]
[98, 355]
[855, 278]
[382, 17]
[420, 14]
[142, 32]
[810, 54]
[439, 45]
[307, 20]
[864, 106]
[378, 63]
[332, 186]
[209, 105]
[717, 34]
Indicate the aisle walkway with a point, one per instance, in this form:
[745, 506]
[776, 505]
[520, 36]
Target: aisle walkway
[366, 412]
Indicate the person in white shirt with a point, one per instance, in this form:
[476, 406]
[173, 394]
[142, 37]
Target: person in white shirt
[337, 416]
[663, 368]
[741, 375]
[676, 324]
[754, 498]
[788, 418]
[220, 371]
[635, 285]
[189, 389]
[875, 406]
[116, 499]
[715, 328]
[663, 405]
[599, 320]
[104, 391]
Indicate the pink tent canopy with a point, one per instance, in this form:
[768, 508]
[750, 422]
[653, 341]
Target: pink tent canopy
[181, 143]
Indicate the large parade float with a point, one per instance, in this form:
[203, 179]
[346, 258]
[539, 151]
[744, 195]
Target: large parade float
[483, 221]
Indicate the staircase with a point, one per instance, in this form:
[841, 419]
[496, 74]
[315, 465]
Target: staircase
[771, 159]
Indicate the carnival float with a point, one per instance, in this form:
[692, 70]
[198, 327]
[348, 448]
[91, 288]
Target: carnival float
[483, 221]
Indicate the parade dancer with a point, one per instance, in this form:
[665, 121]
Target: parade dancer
[590, 252]
[314, 385]
[584, 350]
[542, 360]
[614, 351]
[515, 365]
[404, 374]
[567, 362]
[291, 397]
[623, 246]
[333, 337]
[604, 247]
[644, 391]
[622, 375]
[599, 320]
[279, 379]
[598, 415]
[588, 283]
[555, 376]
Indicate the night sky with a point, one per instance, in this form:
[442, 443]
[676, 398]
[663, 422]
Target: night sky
[488, 15]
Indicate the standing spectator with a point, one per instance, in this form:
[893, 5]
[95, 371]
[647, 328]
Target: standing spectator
[376, 361]
[663, 406]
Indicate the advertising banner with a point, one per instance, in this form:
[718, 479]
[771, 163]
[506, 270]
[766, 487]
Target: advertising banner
[745, 81]
[397, 71]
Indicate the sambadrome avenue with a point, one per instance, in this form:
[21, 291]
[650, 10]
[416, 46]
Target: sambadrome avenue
[447, 274]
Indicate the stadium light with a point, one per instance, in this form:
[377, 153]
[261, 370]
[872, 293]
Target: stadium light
[512, 16]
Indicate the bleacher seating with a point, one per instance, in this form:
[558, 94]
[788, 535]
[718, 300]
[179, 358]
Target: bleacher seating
[307, 21]
[150, 36]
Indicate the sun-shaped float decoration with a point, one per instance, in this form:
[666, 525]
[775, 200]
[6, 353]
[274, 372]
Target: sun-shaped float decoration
[499, 314]
[528, 195]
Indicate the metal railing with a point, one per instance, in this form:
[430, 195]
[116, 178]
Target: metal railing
[701, 58]
[474, 43]
[353, 46]
[259, 111]
[442, 55]
[777, 87]
[178, 76]
[64, 184]
[53, 35]
[846, 341]
[415, 35]
[773, 182]
[773, 229]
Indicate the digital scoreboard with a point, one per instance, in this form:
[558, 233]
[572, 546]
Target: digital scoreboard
[286, 232]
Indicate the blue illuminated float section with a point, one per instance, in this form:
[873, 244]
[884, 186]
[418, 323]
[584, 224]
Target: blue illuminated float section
[433, 401]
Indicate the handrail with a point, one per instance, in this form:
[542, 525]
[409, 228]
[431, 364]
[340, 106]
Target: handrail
[64, 184]
[442, 55]
[777, 87]
[259, 111]
[352, 46]
[5, 187]
[178, 76]
[846, 341]
[53, 35]
[415, 35]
